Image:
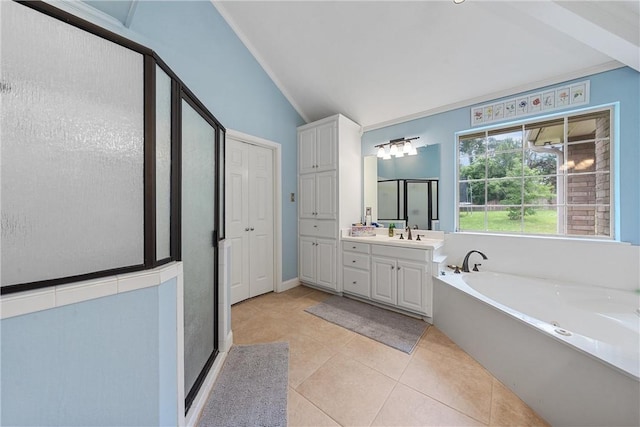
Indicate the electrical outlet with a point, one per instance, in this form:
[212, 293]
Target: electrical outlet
[293, 197]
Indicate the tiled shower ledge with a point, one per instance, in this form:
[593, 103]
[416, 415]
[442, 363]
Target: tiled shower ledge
[56, 296]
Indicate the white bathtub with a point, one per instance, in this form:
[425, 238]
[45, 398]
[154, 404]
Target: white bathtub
[571, 352]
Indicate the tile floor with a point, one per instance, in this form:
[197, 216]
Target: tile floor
[337, 377]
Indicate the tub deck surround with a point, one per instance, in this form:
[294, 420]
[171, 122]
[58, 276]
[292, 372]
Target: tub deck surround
[589, 377]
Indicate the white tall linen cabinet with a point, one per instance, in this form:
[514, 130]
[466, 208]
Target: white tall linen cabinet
[329, 197]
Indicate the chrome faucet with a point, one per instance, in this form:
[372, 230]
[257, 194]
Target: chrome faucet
[409, 231]
[465, 263]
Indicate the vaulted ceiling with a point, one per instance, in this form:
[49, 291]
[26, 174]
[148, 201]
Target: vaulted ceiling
[382, 62]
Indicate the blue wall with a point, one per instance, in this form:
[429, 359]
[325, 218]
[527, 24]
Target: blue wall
[108, 361]
[201, 48]
[620, 86]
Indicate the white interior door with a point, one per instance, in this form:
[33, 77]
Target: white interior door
[249, 218]
[237, 216]
[261, 253]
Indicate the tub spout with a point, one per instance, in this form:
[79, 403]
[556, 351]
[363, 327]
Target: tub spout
[465, 263]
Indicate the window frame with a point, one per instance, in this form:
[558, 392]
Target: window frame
[178, 90]
[565, 116]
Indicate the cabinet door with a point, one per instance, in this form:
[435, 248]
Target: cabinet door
[326, 195]
[307, 151]
[326, 147]
[307, 196]
[307, 260]
[411, 277]
[326, 263]
[384, 285]
[356, 281]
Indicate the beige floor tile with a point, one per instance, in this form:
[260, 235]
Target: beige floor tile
[380, 357]
[455, 380]
[407, 407]
[348, 391]
[298, 291]
[508, 410]
[301, 412]
[327, 333]
[306, 355]
[242, 312]
[438, 342]
[259, 329]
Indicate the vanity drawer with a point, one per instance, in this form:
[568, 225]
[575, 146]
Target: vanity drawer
[356, 282]
[356, 247]
[405, 253]
[350, 259]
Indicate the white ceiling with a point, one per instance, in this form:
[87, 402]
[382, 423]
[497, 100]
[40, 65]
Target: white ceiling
[384, 62]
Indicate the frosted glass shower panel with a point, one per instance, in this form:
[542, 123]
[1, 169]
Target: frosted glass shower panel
[72, 150]
[163, 164]
[390, 200]
[198, 253]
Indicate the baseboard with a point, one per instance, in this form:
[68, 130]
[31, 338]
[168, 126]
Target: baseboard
[289, 284]
[191, 419]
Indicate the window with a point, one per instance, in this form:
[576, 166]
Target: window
[550, 177]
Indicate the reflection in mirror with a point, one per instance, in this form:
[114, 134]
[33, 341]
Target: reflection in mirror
[384, 201]
[413, 201]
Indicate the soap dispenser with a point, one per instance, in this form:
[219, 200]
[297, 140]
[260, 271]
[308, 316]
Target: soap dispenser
[367, 217]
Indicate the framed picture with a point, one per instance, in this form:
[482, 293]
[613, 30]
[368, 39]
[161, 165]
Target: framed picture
[562, 97]
[477, 115]
[498, 111]
[488, 113]
[532, 103]
[548, 100]
[578, 94]
[535, 103]
[510, 108]
[522, 106]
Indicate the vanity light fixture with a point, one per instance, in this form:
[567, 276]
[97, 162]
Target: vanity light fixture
[398, 147]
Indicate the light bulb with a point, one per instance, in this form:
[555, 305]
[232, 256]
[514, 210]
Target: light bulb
[381, 152]
[406, 149]
[387, 156]
[394, 150]
[413, 152]
[399, 154]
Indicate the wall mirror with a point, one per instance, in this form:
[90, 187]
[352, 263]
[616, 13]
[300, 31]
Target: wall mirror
[404, 190]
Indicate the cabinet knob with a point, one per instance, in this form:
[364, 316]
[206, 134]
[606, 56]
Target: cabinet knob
[353, 261]
[392, 267]
[353, 247]
[252, 229]
[315, 226]
[246, 229]
[354, 282]
[398, 268]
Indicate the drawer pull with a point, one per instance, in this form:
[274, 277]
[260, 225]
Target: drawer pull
[354, 282]
[353, 261]
[353, 247]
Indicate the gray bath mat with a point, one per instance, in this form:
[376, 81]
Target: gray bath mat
[251, 389]
[393, 329]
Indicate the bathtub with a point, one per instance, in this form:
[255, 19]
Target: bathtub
[571, 352]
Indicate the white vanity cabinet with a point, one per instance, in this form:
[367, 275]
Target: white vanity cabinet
[329, 195]
[392, 275]
[356, 269]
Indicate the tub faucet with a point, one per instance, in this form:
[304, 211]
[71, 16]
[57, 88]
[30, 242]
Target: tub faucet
[409, 236]
[465, 263]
